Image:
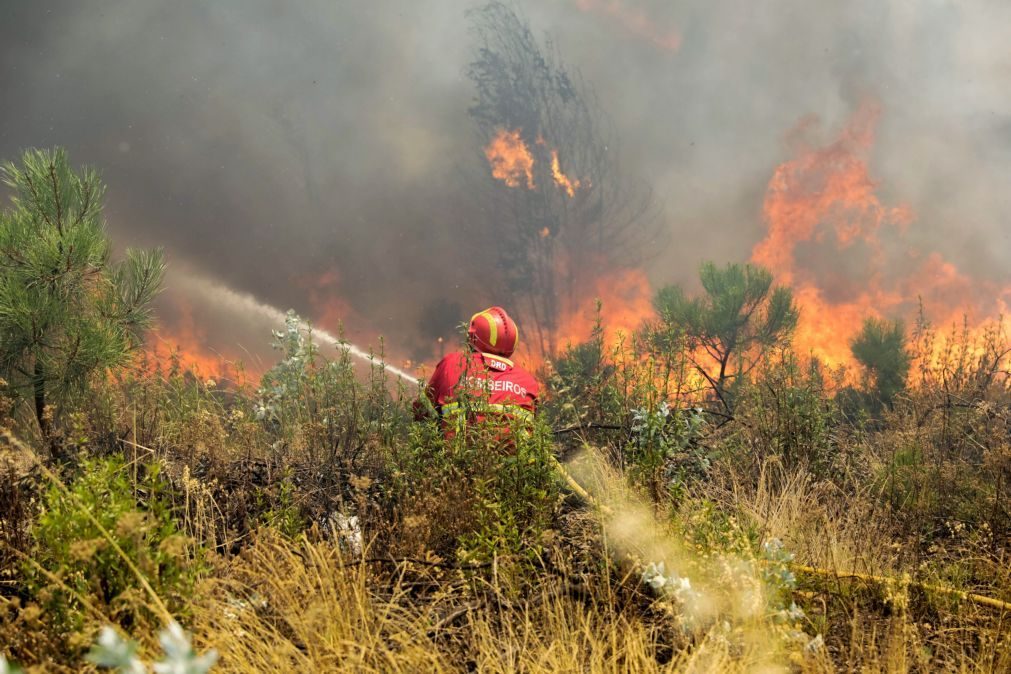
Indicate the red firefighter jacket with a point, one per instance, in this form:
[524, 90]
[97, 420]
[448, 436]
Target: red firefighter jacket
[479, 385]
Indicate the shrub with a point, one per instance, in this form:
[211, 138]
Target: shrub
[333, 424]
[787, 411]
[95, 536]
[479, 494]
[516, 495]
[664, 454]
[582, 384]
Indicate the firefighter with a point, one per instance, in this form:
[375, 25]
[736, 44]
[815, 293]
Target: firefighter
[483, 384]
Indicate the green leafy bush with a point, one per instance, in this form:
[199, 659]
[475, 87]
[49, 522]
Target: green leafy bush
[318, 412]
[663, 454]
[96, 535]
[787, 412]
[516, 493]
[481, 493]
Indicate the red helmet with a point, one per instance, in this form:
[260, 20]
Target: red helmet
[492, 331]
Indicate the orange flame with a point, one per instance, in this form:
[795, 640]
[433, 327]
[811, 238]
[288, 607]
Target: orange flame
[634, 21]
[186, 343]
[510, 159]
[832, 239]
[569, 185]
[513, 163]
[626, 299]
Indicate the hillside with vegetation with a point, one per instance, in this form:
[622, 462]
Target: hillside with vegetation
[694, 496]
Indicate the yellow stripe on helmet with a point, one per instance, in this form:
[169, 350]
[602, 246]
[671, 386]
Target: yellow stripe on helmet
[492, 327]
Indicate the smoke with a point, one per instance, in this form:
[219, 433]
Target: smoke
[269, 145]
[739, 600]
[261, 315]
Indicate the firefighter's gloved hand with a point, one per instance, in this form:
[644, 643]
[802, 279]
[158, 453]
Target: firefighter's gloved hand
[424, 410]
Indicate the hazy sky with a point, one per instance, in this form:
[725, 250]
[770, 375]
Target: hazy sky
[266, 144]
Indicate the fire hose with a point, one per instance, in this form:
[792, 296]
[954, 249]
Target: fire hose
[978, 599]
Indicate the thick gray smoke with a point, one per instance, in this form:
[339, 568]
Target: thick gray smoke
[270, 144]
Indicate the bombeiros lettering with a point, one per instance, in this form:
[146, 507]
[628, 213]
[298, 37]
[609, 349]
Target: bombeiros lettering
[496, 386]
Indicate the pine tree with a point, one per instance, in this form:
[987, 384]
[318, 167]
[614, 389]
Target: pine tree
[66, 310]
[740, 316]
[549, 241]
[881, 349]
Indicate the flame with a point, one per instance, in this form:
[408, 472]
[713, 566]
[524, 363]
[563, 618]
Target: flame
[625, 297]
[510, 159]
[513, 163]
[570, 186]
[844, 252]
[633, 21]
[183, 341]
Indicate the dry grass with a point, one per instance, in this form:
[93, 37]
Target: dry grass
[870, 626]
[317, 611]
[919, 496]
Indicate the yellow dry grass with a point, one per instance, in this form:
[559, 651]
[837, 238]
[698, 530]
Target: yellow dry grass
[300, 606]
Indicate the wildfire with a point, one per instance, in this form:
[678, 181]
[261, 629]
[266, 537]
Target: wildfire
[625, 297]
[513, 162]
[834, 242]
[510, 159]
[830, 237]
[570, 186]
[183, 341]
[634, 21]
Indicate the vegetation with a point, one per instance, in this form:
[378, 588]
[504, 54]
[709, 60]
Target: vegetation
[881, 349]
[563, 225]
[66, 311]
[309, 525]
[731, 328]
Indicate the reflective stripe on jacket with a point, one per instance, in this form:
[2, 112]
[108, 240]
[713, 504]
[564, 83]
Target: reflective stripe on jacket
[478, 385]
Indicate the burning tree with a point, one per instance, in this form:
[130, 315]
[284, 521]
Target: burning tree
[728, 330]
[555, 202]
[66, 311]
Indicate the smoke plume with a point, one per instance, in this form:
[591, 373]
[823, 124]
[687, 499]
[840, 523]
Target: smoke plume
[313, 153]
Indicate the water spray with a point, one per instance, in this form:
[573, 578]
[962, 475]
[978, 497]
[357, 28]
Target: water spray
[246, 304]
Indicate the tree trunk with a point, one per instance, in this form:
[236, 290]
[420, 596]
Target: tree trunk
[40, 400]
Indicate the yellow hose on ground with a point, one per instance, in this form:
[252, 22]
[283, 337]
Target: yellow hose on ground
[982, 600]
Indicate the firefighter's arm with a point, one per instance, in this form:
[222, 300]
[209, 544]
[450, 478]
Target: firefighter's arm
[425, 407]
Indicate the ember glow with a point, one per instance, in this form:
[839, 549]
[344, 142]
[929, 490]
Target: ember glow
[847, 254]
